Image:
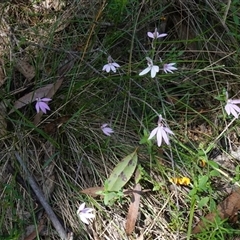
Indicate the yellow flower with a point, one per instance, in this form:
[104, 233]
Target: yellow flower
[181, 181]
[184, 181]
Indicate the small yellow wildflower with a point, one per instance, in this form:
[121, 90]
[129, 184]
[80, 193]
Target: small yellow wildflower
[181, 181]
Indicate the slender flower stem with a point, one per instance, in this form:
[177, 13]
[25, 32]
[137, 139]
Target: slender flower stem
[193, 202]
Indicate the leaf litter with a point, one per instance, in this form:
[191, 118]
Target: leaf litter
[226, 210]
[25, 68]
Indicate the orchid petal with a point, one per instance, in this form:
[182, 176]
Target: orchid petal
[115, 64]
[235, 101]
[104, 67]
[43, 106]
[37, 107]
[151, 35]
[166, 129]
[235, 107]
[234, 113]
[84, 219]
[112, 68]
[154, 70]
[159, 136]
[165, 136]
[85, 214]
[162, 35]
[228, 108]
[108, 68]
[107, 130]
[145, 71]
[81, 207]
[153, 133]
[235, 110]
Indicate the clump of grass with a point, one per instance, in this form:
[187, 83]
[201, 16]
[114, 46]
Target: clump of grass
[78, 155]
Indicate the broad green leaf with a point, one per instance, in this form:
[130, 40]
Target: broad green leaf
[203, 202]
[193, 192]
[213, 164]
[202, 182]
[109, 198]
[122, 173]
[214, 173]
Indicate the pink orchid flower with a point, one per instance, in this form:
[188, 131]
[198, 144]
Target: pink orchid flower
[232, 108]
[110, 66]
[168, 67]
[156, 34]
[41, 105]
[107, 130]
[161, 132]
[153, 68]
[85, 214]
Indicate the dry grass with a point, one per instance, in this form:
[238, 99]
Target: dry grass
[76, 155]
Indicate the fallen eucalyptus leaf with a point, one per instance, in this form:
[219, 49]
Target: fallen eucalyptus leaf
[133, 210]
[31, 97]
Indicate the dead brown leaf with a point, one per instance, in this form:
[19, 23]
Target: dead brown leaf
[92, 191]
[50, 94]
[62, 71]
[47, 91]
[227, 209]
[25, 68]
[52, 127]
[31, 97]
[133, 210]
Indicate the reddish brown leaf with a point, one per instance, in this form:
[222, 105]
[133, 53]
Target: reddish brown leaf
[227, 209]
[92, 191]
[133, 210]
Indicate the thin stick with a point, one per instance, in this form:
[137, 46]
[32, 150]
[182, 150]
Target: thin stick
[42, 200]
[227, 10]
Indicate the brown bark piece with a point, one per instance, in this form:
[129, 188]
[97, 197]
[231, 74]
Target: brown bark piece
[133, 210]
[227, 209]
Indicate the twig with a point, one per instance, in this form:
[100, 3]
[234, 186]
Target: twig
[227, 10]
[42, 200]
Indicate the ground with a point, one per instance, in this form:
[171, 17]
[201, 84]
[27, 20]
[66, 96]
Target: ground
[57, 50]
